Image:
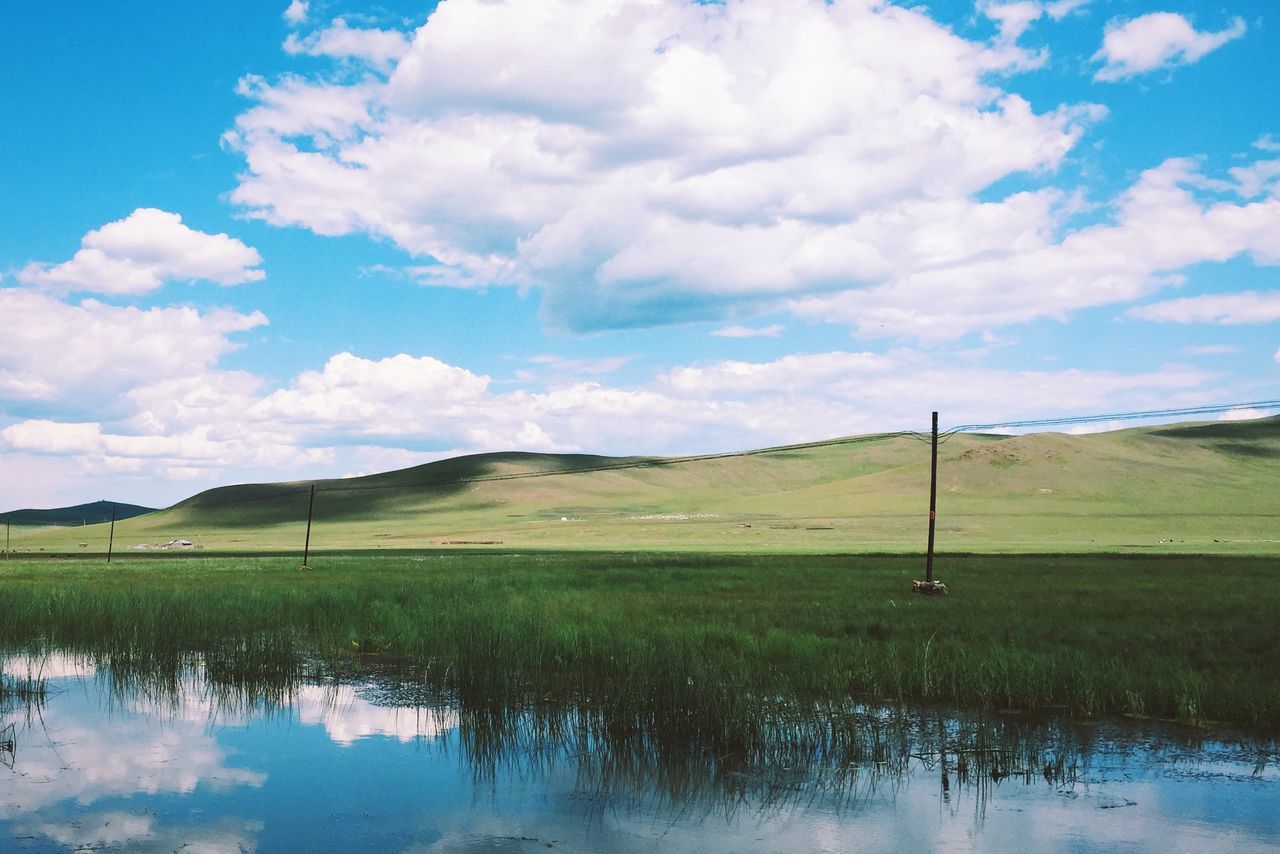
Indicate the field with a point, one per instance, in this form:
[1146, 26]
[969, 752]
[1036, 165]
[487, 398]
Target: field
[700, 644]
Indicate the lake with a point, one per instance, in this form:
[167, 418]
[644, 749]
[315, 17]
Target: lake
[105, 760]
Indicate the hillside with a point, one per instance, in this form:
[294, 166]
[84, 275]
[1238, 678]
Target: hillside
[80, 514]
[1190, 487]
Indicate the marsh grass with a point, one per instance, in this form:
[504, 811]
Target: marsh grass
[707, 652]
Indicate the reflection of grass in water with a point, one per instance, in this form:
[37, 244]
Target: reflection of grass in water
[20, 691]
[834, 756]
[719, 651]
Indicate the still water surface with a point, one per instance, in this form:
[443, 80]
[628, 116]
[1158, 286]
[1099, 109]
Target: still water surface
[102, 763]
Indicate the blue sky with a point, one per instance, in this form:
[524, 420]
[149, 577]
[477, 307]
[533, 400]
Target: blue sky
[255, 241]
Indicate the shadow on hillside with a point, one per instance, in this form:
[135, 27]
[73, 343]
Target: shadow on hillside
[385, 496]
[1240, 431]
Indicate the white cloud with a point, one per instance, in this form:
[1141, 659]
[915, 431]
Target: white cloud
[1013, 18]
[1245, 414]
[1159, 227]
[1267, 143]
[1157, 40]
[1212, 350]
[773, 330]
[562, 365]
[731, 159]
[1257, 179]
[393, 396]
[85, 356]
[380, 48]
[144, 250]
[717, 154]
[1227, 309]
[296, 13]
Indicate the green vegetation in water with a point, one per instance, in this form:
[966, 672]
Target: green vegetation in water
[720, 651]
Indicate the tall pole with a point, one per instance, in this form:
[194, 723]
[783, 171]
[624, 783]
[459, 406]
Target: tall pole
[111, 538]
[306, 549]
[6, 539]
[933, 501]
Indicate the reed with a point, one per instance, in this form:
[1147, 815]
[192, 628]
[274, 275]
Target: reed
[705, 649]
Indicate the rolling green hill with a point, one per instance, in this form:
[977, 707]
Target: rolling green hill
[1211, 487]
[80, 514]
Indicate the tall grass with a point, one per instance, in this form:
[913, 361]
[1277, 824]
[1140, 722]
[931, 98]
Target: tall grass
[719, 651]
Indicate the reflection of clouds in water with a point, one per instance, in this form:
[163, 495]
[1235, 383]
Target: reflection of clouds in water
[1133, 811]
[1137, 810]
[139, 833]
[340, 709]
[53, 665]
[75, 750]
[92, 749]
[347, 717]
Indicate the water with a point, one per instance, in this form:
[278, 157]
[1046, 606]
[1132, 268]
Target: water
[112, 762]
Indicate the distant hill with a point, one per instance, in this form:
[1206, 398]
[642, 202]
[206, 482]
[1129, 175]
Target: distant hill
[80, 514]
[1199, 487]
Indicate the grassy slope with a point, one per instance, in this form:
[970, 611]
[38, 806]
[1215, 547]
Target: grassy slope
[1187, 488]
[93, 512]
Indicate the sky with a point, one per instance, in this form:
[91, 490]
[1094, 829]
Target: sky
[255, 241]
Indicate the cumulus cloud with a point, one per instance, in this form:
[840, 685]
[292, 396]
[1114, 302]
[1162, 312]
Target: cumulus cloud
[1158, 227]
[1157, 40]
[728, 159]
[84, 356]
[338, 41]
[144, 250]
[1227, 309]
[296, 13]
[1013, 18]
[716, 156]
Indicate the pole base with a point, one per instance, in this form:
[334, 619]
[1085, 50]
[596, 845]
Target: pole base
[304, 568]
[929, 588]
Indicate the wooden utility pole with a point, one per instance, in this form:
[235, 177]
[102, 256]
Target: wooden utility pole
[111, 538]
[6, 539]
[933, 502]
[306, 549]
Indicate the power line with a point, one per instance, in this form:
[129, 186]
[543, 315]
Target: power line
[1209, 409]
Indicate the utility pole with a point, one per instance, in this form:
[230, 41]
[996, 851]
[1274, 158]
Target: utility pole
[933, 502]
[6, 539]
[306, 549]
[111, 538]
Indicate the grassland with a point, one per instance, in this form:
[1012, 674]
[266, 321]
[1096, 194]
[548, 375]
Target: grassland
[704, 645]
[1209, 488]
